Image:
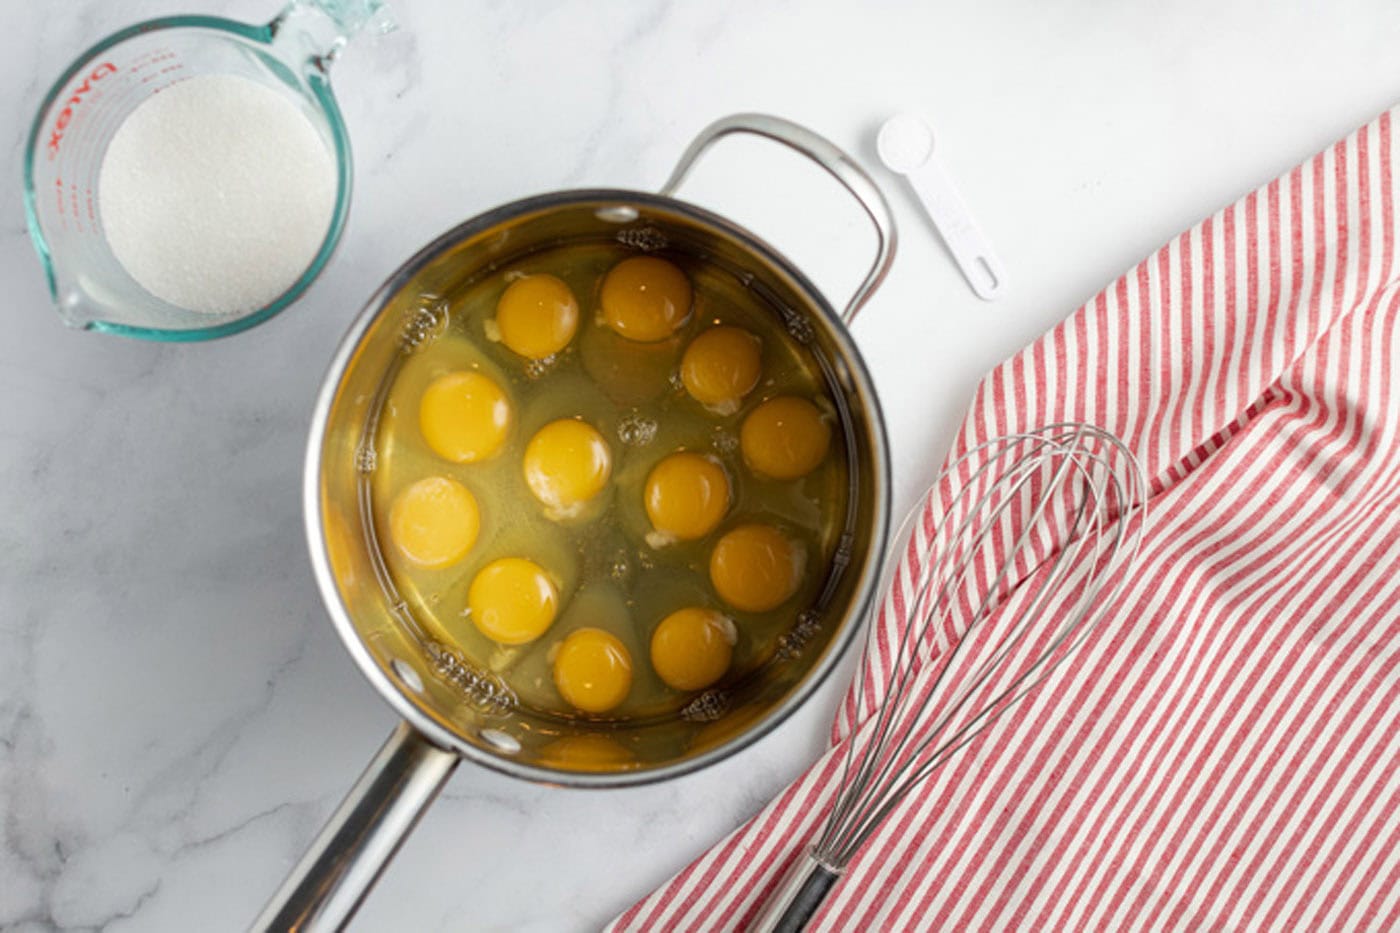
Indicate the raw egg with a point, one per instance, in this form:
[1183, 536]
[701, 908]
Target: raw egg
[692, 647]
[687, 495]
[721, 366]
[513, 601]
[785, 437]
[537, 316]
[645, 299]
[464, 417]
[434, 522]
[630, 373]
[587, 752]
[592, 670]
[566, 464]
[755, 568]
[610, 478]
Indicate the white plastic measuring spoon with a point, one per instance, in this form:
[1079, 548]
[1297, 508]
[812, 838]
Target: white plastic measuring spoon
[905, 145]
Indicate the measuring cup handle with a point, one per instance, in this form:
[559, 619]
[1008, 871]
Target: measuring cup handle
[326, 887]
[351, 16]
[836, 163]
[320, 29]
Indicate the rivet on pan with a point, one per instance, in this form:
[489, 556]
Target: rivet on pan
[500, 741]
[616, 214]
[407, 674]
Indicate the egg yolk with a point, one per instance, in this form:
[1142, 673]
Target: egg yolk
[566, 464]
[687, 495]
[755, 568]
[512, 601]
[464, 417]
[537, 316]
[592, 670]
[721, 366]
[588, 752]
[691, 648]
[645, 298]
[785, 438]
[434, 522]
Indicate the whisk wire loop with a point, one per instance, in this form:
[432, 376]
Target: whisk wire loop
[905, 665]
[1030, 534]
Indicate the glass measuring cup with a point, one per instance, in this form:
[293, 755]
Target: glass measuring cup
[290, 55]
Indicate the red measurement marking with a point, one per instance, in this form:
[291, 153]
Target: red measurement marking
[65, 116]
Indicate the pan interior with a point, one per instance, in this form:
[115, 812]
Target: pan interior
[453, 696]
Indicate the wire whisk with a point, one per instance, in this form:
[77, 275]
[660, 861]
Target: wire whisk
[1035, 534]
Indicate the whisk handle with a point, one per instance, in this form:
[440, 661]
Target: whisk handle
[797, 899]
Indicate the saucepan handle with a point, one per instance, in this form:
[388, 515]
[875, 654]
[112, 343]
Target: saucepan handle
[326, 887]
[839, 165]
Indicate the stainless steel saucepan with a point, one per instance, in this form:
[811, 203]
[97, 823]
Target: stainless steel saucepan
[454, 710]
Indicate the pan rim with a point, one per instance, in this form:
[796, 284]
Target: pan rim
[853, 620]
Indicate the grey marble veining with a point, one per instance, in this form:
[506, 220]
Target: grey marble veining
[176, 714]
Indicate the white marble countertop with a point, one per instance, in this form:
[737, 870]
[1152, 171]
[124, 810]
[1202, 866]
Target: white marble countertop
[177, 716]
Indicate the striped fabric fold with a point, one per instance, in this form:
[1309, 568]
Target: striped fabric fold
[1222, 752]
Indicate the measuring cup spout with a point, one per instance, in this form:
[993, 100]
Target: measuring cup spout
[316, 30]
[75, 306]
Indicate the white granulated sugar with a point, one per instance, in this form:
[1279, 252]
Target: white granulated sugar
[216, 194]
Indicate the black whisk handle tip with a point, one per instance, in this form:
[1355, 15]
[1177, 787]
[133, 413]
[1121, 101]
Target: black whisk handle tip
[797, 899]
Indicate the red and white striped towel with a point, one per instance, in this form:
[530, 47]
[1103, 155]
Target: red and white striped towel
[1222, 752]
